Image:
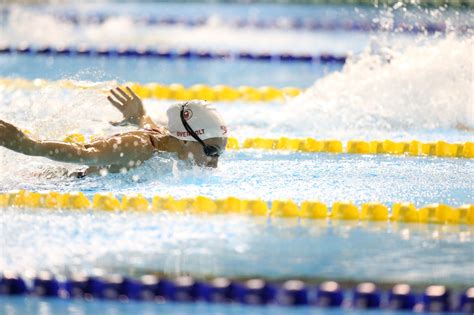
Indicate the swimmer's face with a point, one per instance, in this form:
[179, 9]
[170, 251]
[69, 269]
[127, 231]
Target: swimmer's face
[194, 151]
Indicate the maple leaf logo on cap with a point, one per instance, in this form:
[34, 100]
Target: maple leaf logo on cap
[187, 114]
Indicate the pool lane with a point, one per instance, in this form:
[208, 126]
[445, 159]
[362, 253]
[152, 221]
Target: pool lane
[235, 246]
[266, 175]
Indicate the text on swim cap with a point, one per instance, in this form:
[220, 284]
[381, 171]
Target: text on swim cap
[187, 134]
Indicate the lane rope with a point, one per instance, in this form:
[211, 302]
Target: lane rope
[281, 23]
[175, 91]
[222, 93]
[440, 149]
[366, 295]
[26, 49]
[404, 212]
[402, 148]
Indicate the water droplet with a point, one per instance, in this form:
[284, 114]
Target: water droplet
[103, 172]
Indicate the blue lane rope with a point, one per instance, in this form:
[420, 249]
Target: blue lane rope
[255, 291]
[283, 23]
[170, 54]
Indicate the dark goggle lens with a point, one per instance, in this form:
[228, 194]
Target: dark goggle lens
[212, 151]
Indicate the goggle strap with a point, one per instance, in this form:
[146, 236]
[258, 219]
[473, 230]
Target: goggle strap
[188, 127]
[207, 148]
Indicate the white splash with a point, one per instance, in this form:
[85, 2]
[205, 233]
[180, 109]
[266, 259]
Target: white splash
[425, 86]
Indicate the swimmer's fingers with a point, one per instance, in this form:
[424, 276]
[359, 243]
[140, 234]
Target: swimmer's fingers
[118, 97]
[132, 93]
[115, 103]
[125, 95]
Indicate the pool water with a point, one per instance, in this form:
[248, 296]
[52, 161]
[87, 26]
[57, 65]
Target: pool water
[296, 176]
[395, 86]
[163, 71]
[236, 247]
[14, 306]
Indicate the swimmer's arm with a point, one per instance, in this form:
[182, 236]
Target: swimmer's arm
[121, 151]
[132, 109]
[13, 138]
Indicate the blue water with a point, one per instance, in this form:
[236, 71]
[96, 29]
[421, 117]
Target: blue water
[279, 74]
[296, 176]
[422, 93]
[265, 11]
[235, 246]
[232, 10]
[18, 306]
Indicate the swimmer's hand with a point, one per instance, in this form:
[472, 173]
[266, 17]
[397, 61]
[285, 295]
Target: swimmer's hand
[129, 105]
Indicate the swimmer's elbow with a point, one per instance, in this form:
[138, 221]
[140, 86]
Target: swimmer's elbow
[68, 152]
[98, 157]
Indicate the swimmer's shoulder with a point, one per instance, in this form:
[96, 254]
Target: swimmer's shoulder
[155, 135]
[162, 131]
[157, 132]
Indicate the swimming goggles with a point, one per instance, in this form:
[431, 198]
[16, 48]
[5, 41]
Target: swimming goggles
[209, 150]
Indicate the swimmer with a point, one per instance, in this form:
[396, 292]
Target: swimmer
[195, 132]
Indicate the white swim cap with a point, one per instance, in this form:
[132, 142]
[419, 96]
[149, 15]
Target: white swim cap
[203, 119]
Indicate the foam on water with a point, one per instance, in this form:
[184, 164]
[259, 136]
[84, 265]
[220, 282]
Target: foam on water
[426, 86]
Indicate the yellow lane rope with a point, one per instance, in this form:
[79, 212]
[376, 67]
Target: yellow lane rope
[411, 148]
[174, 91]
[372, 211]
[311, 145]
